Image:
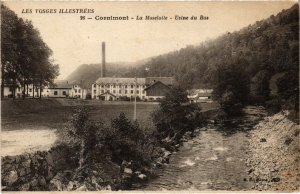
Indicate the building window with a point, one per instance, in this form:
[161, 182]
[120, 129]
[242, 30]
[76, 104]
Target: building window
[75, 90]
[125, 91]
[114, 91]
[102, 91]
[131, 91]
[94, 85]
[42, 90]
[64, 93]
[79, 90]
[137, 91]
[95, 91]
[30, 90]
[120, 91]
[114, 86]
[143, 91]
[125, 86]
[75, 86]
[131, 86]
[55, 93]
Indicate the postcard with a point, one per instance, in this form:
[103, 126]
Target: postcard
[149, 96]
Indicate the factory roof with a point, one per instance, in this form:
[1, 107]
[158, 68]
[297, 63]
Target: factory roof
[169, 81]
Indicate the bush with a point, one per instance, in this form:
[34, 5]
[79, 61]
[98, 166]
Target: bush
[230, 103]
[121, 140]
[80, 130]
[176, 115]
[231, 88]
[130, 142]
[274, 105]
[124, 98]
[288, 90]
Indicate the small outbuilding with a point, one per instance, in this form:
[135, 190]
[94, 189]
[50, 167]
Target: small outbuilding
[200, 95]
[157, 91]
[107, 96]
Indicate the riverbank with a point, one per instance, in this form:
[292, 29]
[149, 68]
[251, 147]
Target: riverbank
[274, 154]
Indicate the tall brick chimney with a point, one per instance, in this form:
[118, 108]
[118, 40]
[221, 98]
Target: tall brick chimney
[103, 60]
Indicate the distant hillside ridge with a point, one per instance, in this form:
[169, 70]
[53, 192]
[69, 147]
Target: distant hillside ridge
[270, 45]
[89, 73]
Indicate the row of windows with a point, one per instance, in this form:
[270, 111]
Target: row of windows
[63, 93]
[120, 92]
[114, 86]
[29, 90]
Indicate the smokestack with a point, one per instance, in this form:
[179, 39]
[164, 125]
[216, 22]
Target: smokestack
[103, 60]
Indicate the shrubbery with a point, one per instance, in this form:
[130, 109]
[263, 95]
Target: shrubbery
[102, 144]
[176, 115]
[231, 88]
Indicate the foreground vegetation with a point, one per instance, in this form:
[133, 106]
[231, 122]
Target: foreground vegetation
[126, 143]
[104, 152]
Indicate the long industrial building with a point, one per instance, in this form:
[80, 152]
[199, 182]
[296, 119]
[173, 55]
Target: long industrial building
[115, 88]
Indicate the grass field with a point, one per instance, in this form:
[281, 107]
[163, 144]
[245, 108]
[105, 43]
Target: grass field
[55, 117]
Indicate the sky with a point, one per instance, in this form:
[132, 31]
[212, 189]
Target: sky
[75, 42]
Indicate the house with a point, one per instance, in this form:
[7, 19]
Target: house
[60, 89]
[156, 91]
[64, 89]
[29, 91]
[200, 95]
[112, 88]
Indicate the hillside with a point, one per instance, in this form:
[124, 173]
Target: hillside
[89, 73]
[261, 50]
[270, 44]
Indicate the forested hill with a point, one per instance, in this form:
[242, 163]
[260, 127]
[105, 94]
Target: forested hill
[89, 73]
[268, 47]
[270, 44]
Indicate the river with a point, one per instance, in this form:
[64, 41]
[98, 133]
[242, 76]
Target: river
[210, 161]
[213, 160]
[17, 142]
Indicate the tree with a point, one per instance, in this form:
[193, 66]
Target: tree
[176, 115]
[260, 86]
[231, 87]
[288, 89]
[25, 57]
[9, 48]
[82, 130]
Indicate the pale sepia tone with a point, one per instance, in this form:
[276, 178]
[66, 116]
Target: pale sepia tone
[150, 96]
